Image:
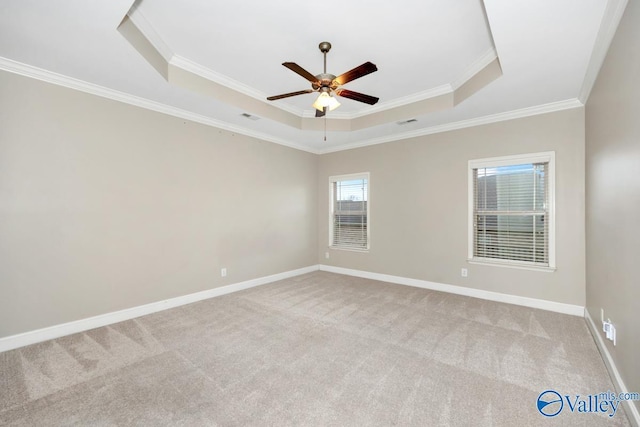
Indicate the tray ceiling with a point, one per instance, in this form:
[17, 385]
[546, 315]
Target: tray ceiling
[445, 64]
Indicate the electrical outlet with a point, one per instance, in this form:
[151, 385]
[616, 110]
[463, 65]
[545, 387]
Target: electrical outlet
[326, 255]
[464, 272]
[613, 335]
[609, 330]
[223, 272]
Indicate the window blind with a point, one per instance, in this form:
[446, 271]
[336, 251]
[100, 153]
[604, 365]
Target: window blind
[511, 213]
[349, 214]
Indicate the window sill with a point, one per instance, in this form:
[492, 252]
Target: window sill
[340, 248]
[477, 261]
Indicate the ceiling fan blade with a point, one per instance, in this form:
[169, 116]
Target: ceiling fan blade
[356, 73]
[357, 96]
[321, 113]
[301, 71]
[287, 95]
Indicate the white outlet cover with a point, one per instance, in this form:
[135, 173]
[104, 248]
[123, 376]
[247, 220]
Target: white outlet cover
[613, 334]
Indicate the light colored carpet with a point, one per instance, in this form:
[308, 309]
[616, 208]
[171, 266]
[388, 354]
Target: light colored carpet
[319, 350]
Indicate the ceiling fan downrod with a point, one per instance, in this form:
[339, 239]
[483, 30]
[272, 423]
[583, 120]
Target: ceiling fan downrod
[324, 48]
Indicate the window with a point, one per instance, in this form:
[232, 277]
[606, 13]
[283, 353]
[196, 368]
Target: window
[511, 210]
[349, 211]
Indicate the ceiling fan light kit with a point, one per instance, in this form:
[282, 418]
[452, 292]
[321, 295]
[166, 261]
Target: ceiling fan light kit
[325, 101]
[326, 83]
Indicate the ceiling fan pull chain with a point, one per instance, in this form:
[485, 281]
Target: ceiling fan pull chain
[325, 126]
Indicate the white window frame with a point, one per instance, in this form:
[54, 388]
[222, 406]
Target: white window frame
[336, 178]
[543, 157]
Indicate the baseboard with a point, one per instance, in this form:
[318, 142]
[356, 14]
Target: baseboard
[57, 331]
[630, 409]
[558, 307]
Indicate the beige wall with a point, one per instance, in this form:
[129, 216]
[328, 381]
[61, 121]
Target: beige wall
[105, 206]
[613, 196]
[418, 201]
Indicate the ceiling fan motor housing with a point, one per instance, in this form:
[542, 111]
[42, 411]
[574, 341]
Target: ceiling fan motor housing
[325, 80]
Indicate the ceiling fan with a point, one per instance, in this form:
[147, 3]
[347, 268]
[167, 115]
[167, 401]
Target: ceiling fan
[328, 83]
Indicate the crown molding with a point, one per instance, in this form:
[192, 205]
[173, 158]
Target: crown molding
[101, 91]
[493, 118]
[610, 21]
[449, 88]
[404, 101]
[75, 84]
[478, 65]
[209, 74]
[152, 35]
[148, 31]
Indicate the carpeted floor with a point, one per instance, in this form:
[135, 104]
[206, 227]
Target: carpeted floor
[316, 350]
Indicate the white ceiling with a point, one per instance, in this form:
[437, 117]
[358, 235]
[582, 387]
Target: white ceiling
[549, 52]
